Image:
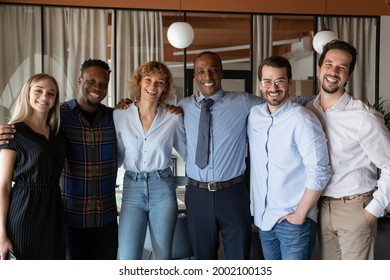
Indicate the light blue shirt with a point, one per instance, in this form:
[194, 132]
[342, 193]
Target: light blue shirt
[144, 152]
[288, 154]
[228, 134]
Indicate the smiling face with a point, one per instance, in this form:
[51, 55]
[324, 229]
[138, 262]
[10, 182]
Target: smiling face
[274, 86]
[152, 87]
[333, 74]
[208, 74]
[43, 95]
[93, 87]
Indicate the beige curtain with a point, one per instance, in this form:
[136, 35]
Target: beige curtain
[69, 37]
[361, 33]
[20, 46]
[262, 44]
[138, 38]
[73, 35]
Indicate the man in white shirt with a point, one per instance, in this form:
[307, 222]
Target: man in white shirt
[358, 143]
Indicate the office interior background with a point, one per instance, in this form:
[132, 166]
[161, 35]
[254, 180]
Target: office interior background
[57, 36]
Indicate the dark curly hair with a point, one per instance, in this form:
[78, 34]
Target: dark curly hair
[94, 62]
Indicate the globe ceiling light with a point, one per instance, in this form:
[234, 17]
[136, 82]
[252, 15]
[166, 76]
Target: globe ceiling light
[323, 37]
[180, 34]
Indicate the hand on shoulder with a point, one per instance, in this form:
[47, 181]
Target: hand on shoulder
[124, 103]
[174, 110]
[6, 133]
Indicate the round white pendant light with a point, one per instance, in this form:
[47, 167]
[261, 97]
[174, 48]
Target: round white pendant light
[180, 34]
[322, 38]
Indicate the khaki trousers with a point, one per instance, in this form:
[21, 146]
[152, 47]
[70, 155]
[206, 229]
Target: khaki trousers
[344, 232]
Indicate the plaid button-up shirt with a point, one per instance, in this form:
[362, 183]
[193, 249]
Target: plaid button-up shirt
[89, 176]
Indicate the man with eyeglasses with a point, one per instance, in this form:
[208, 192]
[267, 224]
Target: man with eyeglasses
[289, 166]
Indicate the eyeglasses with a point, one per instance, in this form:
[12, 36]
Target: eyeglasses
[279, 83]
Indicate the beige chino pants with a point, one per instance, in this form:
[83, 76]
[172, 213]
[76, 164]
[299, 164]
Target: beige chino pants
[344, 232]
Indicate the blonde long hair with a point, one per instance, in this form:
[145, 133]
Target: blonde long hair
[23, 109]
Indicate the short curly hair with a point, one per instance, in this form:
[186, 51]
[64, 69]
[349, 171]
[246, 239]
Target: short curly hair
[146, 69]
[94, 62]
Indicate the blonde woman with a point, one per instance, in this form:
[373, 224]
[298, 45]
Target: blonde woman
[146, 133]
[31, 213]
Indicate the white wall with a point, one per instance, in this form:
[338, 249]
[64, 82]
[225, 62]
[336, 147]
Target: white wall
[302, 68]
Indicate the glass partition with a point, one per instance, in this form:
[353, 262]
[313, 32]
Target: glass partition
[229, 35]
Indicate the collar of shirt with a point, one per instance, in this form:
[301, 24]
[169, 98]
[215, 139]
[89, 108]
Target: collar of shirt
[280, 112]
[217, 97]
[340, 104]
[74, 106]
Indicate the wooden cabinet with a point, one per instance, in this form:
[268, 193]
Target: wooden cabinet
[358, 7]
[310, 7]
[259, 6]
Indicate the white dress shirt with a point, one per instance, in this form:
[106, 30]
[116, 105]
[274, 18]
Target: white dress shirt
[358, 143]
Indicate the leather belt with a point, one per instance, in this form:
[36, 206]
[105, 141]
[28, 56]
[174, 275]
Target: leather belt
[349, 197]
[216, 186]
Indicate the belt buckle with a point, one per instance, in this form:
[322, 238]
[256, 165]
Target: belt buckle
[211, 186]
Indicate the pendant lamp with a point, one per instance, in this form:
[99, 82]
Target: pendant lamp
[180, 34]
[322, 38]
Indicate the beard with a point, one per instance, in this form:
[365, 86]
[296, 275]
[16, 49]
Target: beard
[276, 102]
[330, 90]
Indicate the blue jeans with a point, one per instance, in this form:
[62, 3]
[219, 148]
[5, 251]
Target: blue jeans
[149, 198]
[286, 241]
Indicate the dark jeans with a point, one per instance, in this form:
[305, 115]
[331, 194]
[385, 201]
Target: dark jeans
[92, 243]
[224, 213]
